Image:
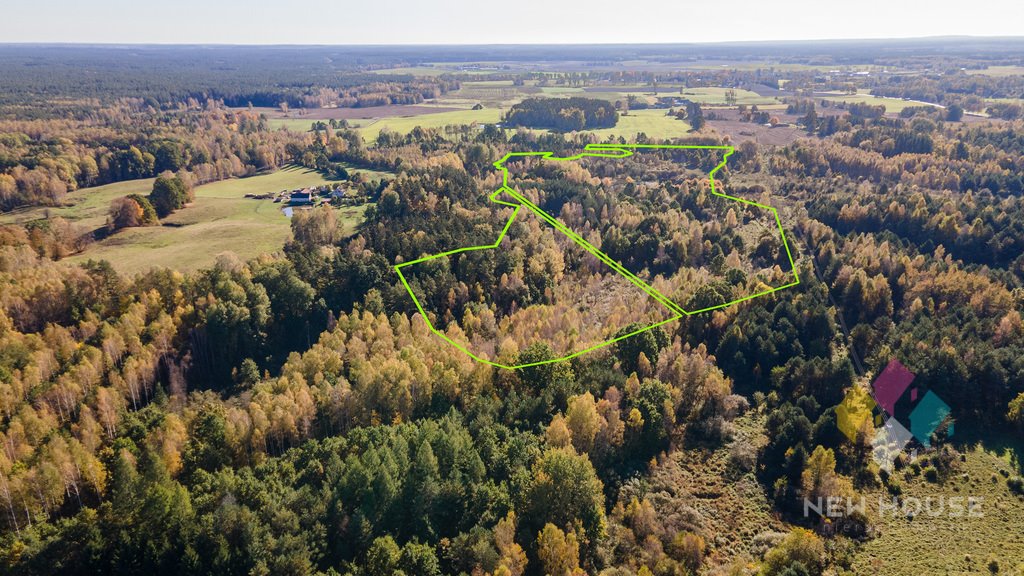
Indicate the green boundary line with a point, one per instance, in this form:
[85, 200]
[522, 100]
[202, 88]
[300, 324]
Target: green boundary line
[599, 151]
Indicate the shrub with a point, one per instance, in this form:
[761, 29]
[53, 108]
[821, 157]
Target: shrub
[148, 212]
[759, 399]
[894, 486]
[688, 549]
[742, 456]
[1015, 484]
[799, 547]
[130, 211]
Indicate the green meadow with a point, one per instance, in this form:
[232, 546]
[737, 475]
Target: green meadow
[369, 128]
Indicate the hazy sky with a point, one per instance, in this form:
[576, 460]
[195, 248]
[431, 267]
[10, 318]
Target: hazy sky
[506, 21]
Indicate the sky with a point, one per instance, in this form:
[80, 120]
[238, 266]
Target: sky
[504, 22]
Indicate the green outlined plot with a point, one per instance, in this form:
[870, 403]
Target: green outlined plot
[508, 196]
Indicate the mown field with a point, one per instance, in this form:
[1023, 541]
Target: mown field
[89, 206]
[305, 124]
[654, 123]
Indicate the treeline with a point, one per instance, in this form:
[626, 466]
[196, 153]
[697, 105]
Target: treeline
[167, 76]
[563, 114]
[354, 91]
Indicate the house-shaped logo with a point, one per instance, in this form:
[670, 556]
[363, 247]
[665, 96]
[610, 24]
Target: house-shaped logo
[893, 413]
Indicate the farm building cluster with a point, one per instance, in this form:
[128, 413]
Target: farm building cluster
[337, 195]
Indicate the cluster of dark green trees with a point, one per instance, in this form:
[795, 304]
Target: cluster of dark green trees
[563, 114]
[170, 192]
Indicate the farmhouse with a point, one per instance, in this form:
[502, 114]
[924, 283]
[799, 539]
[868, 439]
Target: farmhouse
[301, 197]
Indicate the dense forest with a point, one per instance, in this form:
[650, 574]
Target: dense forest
[293, 414]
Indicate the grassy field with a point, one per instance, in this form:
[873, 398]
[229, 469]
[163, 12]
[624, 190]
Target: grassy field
[989, 101]
[491, 94]
[285, 179]
[707, 96]
[220, 220]
[561, 90]
[951, 545]
[499, 95]
[404, 125]
[711, 95]
[193, 237]
[89, 206]
[654, 123]
[716, 95]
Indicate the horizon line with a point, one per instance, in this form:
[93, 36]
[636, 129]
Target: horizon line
[940, 37]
